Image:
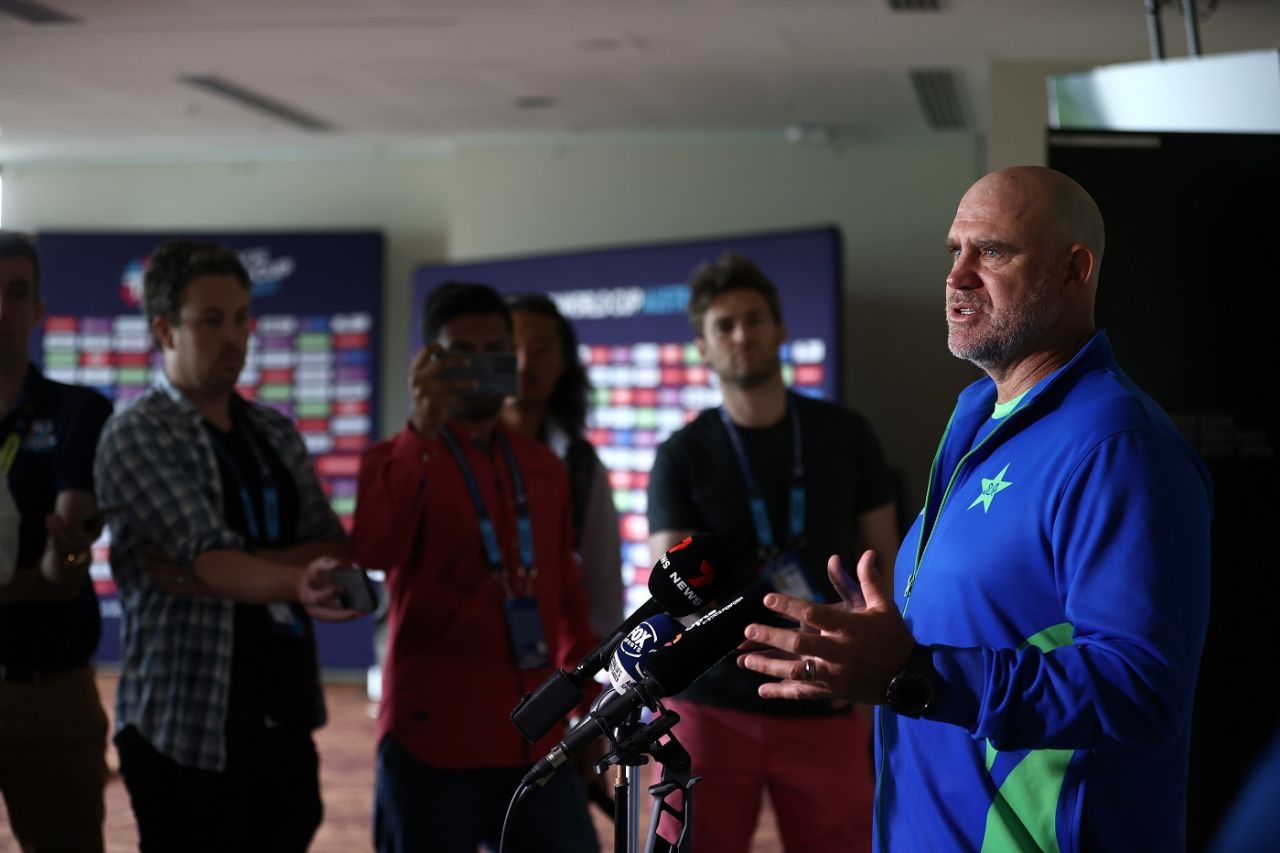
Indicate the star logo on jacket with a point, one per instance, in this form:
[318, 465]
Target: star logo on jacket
[990, 488]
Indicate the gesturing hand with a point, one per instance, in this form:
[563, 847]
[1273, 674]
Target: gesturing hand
[848, 651]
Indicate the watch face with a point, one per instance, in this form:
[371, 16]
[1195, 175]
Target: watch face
[910, 693]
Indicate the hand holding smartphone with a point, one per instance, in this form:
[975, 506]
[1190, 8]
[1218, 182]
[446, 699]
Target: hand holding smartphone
[93, 524]
[494, 374]
[356, 590]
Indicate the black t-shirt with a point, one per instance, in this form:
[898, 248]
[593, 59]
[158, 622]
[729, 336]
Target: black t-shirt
[697, 484]
[56, 427]
[273, 666]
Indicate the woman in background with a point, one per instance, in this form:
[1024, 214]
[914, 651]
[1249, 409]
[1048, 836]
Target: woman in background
[552, 408]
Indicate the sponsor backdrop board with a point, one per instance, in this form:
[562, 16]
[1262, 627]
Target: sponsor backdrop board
[313, 355]
[628, 306]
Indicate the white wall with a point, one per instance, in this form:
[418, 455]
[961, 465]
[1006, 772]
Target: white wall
[892, 201]
[1018, 111]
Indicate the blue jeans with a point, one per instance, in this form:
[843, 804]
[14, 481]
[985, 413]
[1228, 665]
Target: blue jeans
[417, 807]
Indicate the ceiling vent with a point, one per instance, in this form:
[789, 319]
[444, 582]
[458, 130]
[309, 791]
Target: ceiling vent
[255, 101]
[938, 92]
[35, 13]
[915, 5]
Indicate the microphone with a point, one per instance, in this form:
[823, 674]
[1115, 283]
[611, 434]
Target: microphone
[627, 665]
[684, 581]
[675, 666]
[667, 670]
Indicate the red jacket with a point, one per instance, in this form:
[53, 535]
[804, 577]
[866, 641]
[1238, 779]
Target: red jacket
[448, 681]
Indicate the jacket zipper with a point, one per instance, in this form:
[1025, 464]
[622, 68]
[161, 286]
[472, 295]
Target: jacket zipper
[911, 581]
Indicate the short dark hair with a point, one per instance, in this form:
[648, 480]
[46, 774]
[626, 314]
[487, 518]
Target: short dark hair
[15, 244]
[453, 299]
[568, 400]
[174, 264]
[729, 272]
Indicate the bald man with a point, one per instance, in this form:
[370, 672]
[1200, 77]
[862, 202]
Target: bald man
[1035, 666]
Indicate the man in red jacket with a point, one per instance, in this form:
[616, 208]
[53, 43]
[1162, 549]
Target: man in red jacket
[472, 523]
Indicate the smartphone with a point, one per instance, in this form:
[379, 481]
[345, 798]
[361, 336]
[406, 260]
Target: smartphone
[93, 523]
[494, 373]
[356, 590]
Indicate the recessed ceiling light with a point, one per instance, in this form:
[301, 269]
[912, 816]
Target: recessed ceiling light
[35, 13]
[600, 43]
[535, 102]
[819, 133]
[915, 5]
[256, 101]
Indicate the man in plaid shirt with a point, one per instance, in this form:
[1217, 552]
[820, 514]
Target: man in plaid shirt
[222, 549]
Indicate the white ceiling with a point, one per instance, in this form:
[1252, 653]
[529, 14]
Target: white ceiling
[397, 74]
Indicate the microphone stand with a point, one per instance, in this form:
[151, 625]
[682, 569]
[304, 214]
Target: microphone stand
[625, 799]
[676, 776]
[634, 742]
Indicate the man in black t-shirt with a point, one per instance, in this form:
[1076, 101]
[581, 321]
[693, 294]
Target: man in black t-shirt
[785, 482]
[52, 726]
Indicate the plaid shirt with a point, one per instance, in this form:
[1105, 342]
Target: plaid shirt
[155, 462]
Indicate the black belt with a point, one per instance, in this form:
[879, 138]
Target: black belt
[30, 674]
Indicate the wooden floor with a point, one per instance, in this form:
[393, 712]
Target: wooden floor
[346, 748]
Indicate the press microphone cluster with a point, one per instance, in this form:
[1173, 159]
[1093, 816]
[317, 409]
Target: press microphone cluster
[684, 582]
[662, 670]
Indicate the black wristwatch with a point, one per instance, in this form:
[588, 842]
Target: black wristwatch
[910, 693]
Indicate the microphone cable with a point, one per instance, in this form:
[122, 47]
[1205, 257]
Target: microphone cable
[521, 790]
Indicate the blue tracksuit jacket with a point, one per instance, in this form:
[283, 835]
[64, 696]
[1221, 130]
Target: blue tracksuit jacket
[1061, 569]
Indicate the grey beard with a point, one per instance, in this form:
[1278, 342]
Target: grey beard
[1012, 334]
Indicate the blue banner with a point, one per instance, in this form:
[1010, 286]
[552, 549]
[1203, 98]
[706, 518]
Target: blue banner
[313, 355]
[628, 307]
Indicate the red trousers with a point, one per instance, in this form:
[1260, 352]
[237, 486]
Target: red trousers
[818, 773]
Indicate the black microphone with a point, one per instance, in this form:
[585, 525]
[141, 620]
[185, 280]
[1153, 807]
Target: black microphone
[668, 670]
[675, 666]
[684, 581]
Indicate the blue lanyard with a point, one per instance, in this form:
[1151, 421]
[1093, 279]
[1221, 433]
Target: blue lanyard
[270, 494]
[755, 500]
[524, 526]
